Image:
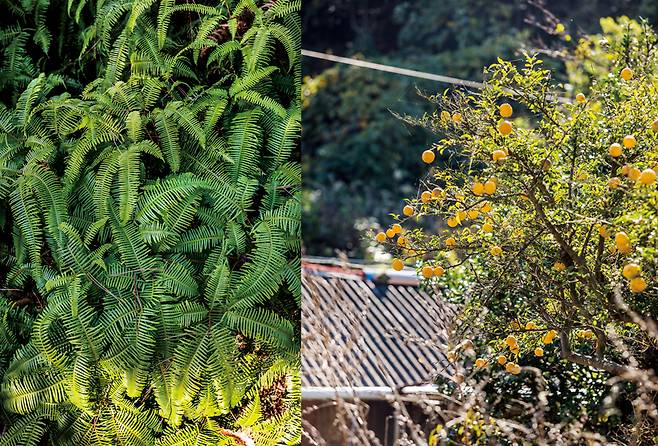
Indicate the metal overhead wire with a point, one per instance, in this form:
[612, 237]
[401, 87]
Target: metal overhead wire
[404, 71]
[392, 69]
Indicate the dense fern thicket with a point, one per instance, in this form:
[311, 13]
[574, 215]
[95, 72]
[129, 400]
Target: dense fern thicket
[150, 222]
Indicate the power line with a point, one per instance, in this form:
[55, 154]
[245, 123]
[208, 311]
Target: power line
[405, 71]
[394, 70]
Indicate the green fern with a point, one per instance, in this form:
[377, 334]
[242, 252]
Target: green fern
[151, 223]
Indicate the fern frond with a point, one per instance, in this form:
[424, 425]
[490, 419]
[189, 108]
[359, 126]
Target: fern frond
[283, 8]
[161, 195]
[263, 325]
[24, 395]
[243, 143]
[282, 139]
[27, 431]
[168, 134]
[51, 198]
[255, 98]
[222, 51]
[133, 250]
[186, 120]
[289, 41]
[118, 59]
[250, 80]
[262, 276]
[24, 209]
[199, 239]
[134, 126]
[177, 277]
[139, 7]
[128, 163]
[189, 363]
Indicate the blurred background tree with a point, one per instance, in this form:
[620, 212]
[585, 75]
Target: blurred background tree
[358, 162]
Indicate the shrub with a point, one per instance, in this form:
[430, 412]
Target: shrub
[150, 224]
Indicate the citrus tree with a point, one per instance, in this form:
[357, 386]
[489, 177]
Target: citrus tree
[548, 218]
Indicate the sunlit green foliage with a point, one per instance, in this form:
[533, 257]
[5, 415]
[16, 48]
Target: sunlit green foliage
[151, 223]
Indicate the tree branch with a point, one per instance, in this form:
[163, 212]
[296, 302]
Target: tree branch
[601, 364]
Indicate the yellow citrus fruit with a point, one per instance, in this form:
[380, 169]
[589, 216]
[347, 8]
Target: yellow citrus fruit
[486, 207]
[647, 177]
[473, 214]
[426, 196]
[490, 187]
[427, 272]
[478, 188]
[603, 232]
[625, 168]
[505, 128]
[445, 116]
[509, 367]
[428, 156]
[380, 237]
[654, 125]
[502, 359]
[437, 192]
[634, 173]
[390, 233]
[516, 370]
[638, 285]
[585, 334]
[480, 362]
[539, 351]
[452, 222]
[631, 270]
[461, 215]
[629, 141]
[615, 150]
[397, 265]
[549, 337]
[505, 110]
[408, 211]
[626, 74]
[451, 242]
[397, 228]
[580, 98]
[439, 271]
[499, 155]
[487, 228]
[614, 182]
[511, 341]
[496, 250]
[457, 118]
[559, 266]
[402, 241]
[530, 325]
[622, 239]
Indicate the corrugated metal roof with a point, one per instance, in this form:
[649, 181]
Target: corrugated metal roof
[361, 332]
